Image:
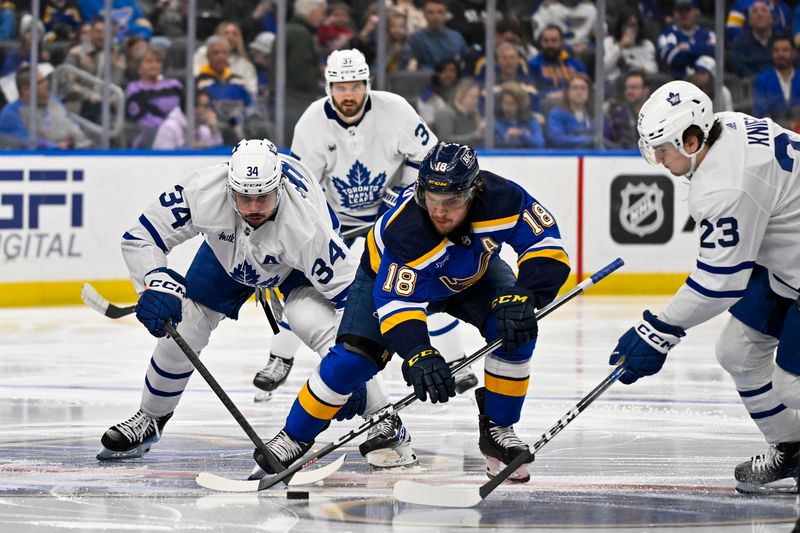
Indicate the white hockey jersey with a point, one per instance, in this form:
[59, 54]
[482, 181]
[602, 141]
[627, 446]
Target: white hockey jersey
[302, 235]
[745, 198]
[357, 163]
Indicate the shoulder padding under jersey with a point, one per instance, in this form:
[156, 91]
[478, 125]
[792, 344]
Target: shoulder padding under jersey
[498, 202]
[409, 235]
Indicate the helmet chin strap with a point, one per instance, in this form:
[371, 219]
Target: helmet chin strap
[692, 160]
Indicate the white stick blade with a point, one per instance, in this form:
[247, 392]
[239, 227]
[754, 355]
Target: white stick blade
[437, 496]
[308, 477]
[222, 484]
[93, 299]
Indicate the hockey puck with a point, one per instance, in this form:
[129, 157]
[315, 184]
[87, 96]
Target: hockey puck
[296, 495]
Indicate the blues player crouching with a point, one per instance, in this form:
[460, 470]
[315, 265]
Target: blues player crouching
[364, 146]
[437, 250]
[744, 192]
[265, 223]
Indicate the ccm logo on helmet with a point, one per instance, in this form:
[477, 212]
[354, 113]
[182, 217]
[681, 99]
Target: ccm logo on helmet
[438, 183]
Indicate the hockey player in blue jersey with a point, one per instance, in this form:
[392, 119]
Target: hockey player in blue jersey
[438, 250]
[744, 192]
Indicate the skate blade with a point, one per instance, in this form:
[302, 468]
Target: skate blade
[257, 473]
[110, 455]
[262, 396]
[754, 488]
[520, 475]
[402, 456]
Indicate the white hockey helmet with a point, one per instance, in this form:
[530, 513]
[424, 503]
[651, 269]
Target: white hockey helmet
[671, 109]
[254, 168]
[346, 65]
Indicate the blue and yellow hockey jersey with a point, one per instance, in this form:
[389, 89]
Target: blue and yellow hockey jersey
[414, 265]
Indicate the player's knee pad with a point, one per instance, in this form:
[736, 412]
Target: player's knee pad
[343, 371]
[789, 343]
[195, 328]
[312, 318]
[367, 348]
[787, 387]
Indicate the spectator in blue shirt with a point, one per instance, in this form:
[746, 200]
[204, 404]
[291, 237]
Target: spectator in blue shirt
[430, 46]
[750, 53]
[777, 89]
[737, 17]
[680, 45]
[554, 66]
[570, 125]
[516, 126]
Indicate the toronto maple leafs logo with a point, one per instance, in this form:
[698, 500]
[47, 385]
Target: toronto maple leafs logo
[245, 273]
[360, 189]
[674, 99]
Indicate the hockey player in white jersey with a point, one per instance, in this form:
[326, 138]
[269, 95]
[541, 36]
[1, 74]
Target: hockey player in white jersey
[744, 193]
[365, 147]
[265, 223]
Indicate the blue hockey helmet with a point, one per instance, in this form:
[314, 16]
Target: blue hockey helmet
[447, 168]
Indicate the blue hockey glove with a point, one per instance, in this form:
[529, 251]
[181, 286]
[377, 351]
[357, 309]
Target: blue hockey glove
[427, 371]
[356, 404]
[161, 300]
[515, 317]
[645, 347]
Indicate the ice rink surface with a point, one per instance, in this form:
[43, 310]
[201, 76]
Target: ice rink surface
[656, 455]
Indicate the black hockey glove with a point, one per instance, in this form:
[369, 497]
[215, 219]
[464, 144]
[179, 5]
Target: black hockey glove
[427, 371]
[161, 300]
[515, 317]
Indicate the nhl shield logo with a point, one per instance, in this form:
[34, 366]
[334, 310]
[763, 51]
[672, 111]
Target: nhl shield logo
[639, 203]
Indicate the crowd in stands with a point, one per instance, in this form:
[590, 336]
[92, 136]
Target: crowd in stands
[544, 78]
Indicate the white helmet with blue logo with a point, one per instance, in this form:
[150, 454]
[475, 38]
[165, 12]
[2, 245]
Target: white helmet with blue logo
[254, 168]
[671, 109]
[346, 65]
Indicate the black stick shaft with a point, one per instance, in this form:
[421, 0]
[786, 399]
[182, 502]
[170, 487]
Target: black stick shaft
[268, 482]
[225, 399]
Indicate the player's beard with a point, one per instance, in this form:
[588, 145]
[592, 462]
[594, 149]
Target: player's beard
[354, 109]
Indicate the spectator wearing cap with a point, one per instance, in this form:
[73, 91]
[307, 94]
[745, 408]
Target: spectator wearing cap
[54, 127]
[750, 53]
[680, 45]
[737, 17]
[554, 66]
[702, 75]
[776, 91]
[430, 46]
[619, 129]
[261, 53]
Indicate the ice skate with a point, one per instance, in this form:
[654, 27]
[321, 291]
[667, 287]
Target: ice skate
[499, 444]
[388, 445]
[285, 449]
[465, 380]
[272, 376]
[782, 461]
[132, 438]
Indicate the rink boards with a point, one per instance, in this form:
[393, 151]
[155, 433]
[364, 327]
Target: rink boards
[62, 217]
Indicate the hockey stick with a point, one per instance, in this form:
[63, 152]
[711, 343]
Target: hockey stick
[313, 475]
[443, 496]
[378, 417]
[261, 298]
[93, 299]
[356, 231]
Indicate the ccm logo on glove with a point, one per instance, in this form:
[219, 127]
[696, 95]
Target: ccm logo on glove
[424, 353]
[165, 285]
[509, 298]
[654, 338]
